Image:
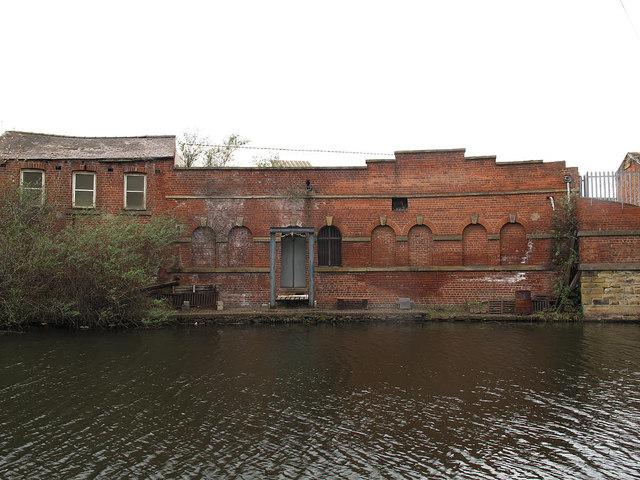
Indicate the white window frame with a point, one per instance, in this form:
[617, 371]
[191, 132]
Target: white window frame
[95, 187]
[144, 190]
[24, 187]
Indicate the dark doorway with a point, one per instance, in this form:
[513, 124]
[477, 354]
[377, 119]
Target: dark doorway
[293, 263]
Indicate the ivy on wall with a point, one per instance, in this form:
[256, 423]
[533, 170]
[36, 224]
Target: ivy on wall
[566, 254]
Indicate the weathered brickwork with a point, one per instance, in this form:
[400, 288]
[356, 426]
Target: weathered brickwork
[470, 230]
[610, 259]
[514, 247]
[433, 226]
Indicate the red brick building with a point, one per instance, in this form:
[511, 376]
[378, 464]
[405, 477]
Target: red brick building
[434, 226]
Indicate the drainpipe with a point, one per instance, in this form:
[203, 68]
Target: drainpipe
[568, 180]
[553, 205]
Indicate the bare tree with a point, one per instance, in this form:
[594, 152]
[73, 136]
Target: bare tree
[267, 162]
[190, 147]
[196, 150]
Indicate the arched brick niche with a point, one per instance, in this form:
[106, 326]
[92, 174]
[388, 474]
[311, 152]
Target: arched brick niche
[383, 246]
[203, 247]
[513, 245]
[420, 240]
[239, 247]
[474, 245]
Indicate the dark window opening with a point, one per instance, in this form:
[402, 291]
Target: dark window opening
[329, 247]
[399, 204]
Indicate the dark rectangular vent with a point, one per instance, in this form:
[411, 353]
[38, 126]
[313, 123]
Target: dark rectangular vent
[399, 204]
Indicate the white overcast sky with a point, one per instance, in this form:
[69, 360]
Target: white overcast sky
[523, 80]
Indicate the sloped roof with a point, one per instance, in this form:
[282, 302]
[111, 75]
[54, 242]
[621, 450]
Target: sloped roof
[40, 146]
[629, 159]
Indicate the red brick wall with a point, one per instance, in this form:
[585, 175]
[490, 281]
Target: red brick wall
[384, 288]
[420, 245]
[239, 251]
[475, 246]
[109, 184]
[609, 239]
[609, 232]
[444, 190]
[203, 247]
[513, 245]
[446, 194]
[383, 247]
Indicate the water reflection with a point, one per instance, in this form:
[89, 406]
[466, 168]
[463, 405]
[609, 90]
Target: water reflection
[363, 401]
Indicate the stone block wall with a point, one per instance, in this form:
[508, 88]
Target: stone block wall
[609, 239]
[611, 294]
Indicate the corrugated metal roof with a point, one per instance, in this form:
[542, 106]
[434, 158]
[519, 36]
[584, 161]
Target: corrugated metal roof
[39, 146]
[291, 163]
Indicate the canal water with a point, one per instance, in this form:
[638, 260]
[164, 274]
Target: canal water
[450, 401]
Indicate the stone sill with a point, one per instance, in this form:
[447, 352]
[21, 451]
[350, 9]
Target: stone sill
[609, 267]
[438, 268]
[219, 270]
[470, 268]
[135, 213]
[82, 211]
[611, 312]
[608, 233]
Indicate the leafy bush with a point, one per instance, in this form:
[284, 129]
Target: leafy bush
[159, 314]
[566, 255]
[88, 270]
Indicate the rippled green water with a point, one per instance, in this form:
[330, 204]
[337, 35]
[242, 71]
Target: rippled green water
[376, 401]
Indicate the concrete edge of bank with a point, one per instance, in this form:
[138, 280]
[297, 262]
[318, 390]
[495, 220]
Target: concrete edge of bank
[372, 315]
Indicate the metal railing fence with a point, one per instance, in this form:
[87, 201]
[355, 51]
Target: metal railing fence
[611, 186]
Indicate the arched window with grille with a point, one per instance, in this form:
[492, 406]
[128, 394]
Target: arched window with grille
[329, 246]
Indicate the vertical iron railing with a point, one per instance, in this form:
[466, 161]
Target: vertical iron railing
[611, 186]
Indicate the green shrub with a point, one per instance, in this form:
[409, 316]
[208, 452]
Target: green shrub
[159, 314]
[89, 270]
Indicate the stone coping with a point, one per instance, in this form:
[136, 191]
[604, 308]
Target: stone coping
[304, 315]
[447, 194]
[609, 266]
[402, 268]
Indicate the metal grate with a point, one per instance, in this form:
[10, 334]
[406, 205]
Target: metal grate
[196, 295]
[498, 307]
[541, 303]
[611, 186]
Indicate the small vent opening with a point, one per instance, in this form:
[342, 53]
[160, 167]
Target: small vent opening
[399, 204]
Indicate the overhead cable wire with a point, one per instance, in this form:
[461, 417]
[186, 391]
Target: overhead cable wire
[630, 21]
[289, 149]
